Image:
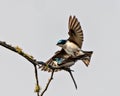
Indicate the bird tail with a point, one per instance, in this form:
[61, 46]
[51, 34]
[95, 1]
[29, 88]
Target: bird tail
[87, 57]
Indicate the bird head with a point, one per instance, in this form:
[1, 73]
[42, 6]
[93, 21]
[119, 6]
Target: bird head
[61, 42]
[58, 60]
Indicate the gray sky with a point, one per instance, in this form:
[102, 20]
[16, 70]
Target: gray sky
[36, 26]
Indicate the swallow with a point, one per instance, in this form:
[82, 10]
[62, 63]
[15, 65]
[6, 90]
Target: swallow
[56, 63]
[60, 61]
[72, 45]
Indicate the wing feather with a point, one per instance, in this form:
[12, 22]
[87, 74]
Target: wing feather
[70, 21]
[75, 31]
[58, 54]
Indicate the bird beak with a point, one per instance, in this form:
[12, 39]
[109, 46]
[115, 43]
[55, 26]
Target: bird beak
[57, 44]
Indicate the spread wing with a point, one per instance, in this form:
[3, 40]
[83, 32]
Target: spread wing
[75, 31]
[58, 54]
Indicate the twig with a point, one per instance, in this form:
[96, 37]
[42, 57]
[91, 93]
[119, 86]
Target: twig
[47, 83]
[37, 82]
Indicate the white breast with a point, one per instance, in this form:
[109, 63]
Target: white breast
[71, 48]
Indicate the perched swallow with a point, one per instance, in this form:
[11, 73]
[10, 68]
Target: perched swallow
[57, 64]
[60, 61]
[72, 46]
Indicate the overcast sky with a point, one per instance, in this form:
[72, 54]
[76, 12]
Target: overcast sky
[36, 26]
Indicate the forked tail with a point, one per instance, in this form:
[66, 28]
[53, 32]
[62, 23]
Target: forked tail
[86, 59]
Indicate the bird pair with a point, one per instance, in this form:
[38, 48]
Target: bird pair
[70, 51]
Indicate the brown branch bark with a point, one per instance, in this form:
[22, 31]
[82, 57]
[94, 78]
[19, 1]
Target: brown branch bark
[47, 83]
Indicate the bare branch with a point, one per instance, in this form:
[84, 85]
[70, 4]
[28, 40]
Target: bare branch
[47, 83]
